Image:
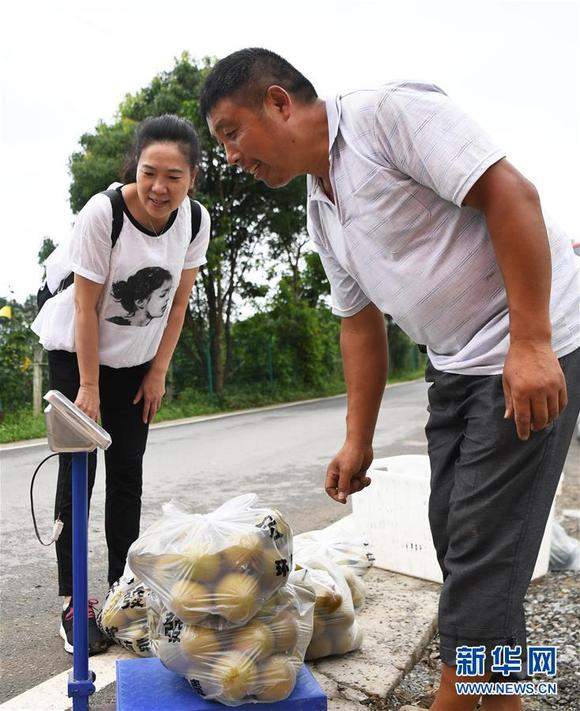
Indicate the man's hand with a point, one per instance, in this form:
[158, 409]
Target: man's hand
[533, 385]
[151, 390]
[346, 473]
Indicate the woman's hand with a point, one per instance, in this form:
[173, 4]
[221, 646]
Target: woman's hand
[88, 400]
[151, 391]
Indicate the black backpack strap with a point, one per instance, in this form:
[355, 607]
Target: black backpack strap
[116, 199]
[44, 293]
[195, 219]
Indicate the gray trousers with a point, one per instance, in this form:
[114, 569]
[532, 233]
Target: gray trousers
[491, 495]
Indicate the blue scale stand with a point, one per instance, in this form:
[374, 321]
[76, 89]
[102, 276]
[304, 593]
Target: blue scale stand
[146, 685]
[70, 430]
[142, 684]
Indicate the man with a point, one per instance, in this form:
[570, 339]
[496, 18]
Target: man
[416, 213]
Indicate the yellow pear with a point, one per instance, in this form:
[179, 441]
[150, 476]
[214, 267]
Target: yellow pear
[337, 625]
[236, 597]
[236, 674]
[276, 679]
[320, 647]
[171, 655]
[133, 605]
[274, 569]
[153, 618]
[112, 615]
[285, 632]
[327, 601]
[204, 568]
[135, 613]
[356, 586]
[164, 569]
[190, 601]
[200, 642]
[202, 681]
[164, 563]
[255, 639]
[345, 615]
[243, 551]
[319, 628]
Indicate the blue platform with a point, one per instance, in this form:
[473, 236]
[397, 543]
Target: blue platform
[146, 685]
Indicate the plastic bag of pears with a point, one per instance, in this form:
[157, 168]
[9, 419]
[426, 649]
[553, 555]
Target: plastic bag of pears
[257, 662]
[215, 570]
[335, 628]
[123, 616]
[353, 556]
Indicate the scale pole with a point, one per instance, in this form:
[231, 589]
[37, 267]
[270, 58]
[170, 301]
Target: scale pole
[80, 685]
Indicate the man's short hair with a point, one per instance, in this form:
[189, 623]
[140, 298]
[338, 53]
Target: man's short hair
[246, 75]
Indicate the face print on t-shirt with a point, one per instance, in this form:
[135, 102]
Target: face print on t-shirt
[143, 296]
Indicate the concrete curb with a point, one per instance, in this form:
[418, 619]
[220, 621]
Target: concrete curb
[398, 621]
[28, 444]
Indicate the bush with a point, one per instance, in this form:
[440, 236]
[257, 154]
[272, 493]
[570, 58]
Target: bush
[293, 344]
[17, 344]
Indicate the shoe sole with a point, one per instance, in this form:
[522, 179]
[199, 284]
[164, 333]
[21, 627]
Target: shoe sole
[67, 646]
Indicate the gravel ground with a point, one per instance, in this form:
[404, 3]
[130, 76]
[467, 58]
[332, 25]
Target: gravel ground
[552, 611]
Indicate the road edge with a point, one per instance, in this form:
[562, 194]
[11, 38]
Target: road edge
[29, 444]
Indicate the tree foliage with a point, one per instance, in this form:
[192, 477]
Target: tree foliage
[291, 342]
[17, 344]
[46, 249]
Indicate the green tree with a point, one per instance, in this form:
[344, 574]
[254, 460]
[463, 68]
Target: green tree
[99, 162]
[244, 212]
[292, 341]
[286, 225]
[17, 343]
[315, 284]
[46, 249]
[403, 352]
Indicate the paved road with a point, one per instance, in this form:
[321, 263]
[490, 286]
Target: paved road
[279, 454]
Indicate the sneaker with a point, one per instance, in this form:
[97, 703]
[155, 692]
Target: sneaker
[97, 641]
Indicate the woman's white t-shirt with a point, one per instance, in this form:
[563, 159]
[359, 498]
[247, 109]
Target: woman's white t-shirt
[140, 275]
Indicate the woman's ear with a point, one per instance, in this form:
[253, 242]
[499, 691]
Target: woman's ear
[141, 303]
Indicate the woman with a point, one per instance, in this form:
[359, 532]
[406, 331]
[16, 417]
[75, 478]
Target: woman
[111, 335]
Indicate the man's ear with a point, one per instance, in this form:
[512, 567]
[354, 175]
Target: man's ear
[278, 100]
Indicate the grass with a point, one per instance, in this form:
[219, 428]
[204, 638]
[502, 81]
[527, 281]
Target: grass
[22, 424]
